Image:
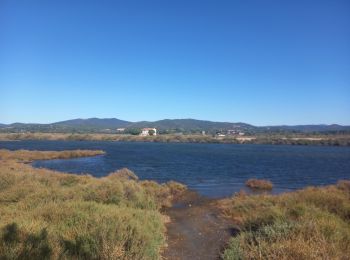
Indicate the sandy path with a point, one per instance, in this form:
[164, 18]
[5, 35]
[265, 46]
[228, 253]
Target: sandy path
[196, 230]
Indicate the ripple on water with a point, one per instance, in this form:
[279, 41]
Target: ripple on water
[213, 170]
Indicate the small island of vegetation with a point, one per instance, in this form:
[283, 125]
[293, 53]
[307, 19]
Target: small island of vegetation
[257, 184]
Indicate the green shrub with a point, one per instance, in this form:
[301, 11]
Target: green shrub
[234, 251]
[25, 245]
[36, 246]
[10, 233]
[81, 247]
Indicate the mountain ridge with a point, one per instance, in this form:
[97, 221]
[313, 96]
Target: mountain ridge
[181, 125]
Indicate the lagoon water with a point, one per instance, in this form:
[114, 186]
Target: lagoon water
[214, 170]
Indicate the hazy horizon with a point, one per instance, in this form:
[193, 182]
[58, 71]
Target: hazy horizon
[257, 62]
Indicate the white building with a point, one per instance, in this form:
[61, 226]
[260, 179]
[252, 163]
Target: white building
[145, 131]
[232, 132]
[235, 132]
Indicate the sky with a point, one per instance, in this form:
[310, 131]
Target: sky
[260, 62]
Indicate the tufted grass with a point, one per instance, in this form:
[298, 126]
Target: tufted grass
[46, 214]
[313, 223]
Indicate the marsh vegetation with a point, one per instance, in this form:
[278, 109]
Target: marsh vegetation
[47, 214]
[312, 223]
[53, 215]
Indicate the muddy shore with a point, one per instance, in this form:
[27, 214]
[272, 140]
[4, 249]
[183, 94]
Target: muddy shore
[196, 230]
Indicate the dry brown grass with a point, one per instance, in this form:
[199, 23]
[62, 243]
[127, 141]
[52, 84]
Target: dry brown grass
[259, 184]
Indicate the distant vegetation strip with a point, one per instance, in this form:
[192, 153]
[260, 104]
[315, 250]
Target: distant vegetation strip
[53, 215]
[26, 155]
[291, 139]
[313, 223]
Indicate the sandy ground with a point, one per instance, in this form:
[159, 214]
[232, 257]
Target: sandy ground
[308, 138]
[245, 138]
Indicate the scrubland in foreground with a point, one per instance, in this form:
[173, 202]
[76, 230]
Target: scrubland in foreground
[313, 223]
[51, 215]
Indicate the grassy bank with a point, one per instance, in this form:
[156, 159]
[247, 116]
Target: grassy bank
[313, 223]
[293, 139]
[50, 215]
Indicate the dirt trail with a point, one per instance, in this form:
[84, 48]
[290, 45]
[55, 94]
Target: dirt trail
[196, 230]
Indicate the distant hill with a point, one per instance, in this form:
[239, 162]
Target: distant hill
[94, 123]
[109, 125]
[307, 128]
[191, 124]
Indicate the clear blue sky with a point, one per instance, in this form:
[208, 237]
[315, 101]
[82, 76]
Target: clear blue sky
[259, 62]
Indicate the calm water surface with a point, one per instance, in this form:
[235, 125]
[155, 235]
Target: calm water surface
[214, 170]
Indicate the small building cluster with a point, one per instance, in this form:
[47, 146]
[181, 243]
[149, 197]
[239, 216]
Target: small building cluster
[234, 132]
[231, 133]
[148, 131]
